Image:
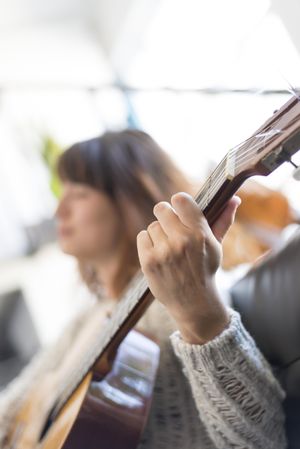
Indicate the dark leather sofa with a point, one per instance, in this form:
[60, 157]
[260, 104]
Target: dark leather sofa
[268, 299]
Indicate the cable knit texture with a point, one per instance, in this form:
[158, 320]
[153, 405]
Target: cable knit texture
[220, 395]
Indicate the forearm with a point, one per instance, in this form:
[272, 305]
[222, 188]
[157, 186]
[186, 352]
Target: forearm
[235, 392]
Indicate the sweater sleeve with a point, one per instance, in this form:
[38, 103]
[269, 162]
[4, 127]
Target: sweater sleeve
[236, 394]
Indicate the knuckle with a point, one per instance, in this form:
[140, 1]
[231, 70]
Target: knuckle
[140, 235]
[152, 226]
[200, 238]
[157, 260]
[184, 243]
[182, 198]
[160, 206]
[166, 257]
[151, 264]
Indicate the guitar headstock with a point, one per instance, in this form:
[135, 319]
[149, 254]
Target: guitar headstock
[272, 144]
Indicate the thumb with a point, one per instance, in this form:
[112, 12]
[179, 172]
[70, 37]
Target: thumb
[225, 220]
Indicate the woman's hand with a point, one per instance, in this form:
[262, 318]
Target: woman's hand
[179, 255]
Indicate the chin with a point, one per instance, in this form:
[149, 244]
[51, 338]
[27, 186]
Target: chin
[67, 248]
[75, 252]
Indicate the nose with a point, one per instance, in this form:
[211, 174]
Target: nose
[62, 209]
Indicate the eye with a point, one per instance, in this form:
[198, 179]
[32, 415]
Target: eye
[80, 193]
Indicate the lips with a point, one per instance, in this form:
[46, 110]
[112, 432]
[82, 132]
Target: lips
[64, 232]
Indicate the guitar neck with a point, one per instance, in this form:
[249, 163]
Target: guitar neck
[274, 143]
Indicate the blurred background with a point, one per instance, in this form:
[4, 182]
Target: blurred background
[199, 76]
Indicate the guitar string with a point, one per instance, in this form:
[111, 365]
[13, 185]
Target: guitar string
[244, 156]
[213, 182]
[129, 301]
[291, 123]
[220, 168]
[208, 186]
[289, 109]
[101, 341]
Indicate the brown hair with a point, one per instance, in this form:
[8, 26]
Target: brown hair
[129, 167]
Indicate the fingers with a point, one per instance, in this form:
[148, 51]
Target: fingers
[190, 215]
[225, 220]
[168, 238]
[187, 210]
[180, 238]
[144, 246]
[156, 234]
[150, 241]
[178, 219]
[168, 219]
[182, 216]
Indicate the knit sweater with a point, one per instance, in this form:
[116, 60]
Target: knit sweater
[219, 395]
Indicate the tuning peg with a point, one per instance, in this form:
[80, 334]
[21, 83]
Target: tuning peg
[296, 172]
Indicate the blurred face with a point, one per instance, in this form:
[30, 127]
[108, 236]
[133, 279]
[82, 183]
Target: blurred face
[88, 223]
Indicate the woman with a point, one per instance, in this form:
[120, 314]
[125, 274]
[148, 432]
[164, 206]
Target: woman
[213, 388]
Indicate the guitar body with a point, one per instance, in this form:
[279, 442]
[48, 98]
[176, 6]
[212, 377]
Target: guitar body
[101, 414]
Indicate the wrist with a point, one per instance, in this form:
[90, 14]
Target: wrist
[204, 321]
[202, 331]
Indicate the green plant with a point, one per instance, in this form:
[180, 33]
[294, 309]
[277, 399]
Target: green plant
[51, 151]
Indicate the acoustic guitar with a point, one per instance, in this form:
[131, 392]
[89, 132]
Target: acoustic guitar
[104, 404]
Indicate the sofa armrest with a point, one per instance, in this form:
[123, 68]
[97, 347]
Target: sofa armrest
[268, 299]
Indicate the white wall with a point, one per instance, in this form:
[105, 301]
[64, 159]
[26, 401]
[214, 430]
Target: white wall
[121, 26]
[289, 11]
[15, 13]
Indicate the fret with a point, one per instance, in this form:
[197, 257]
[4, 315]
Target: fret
[230, 164]
[211, 186]
[252, 147]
